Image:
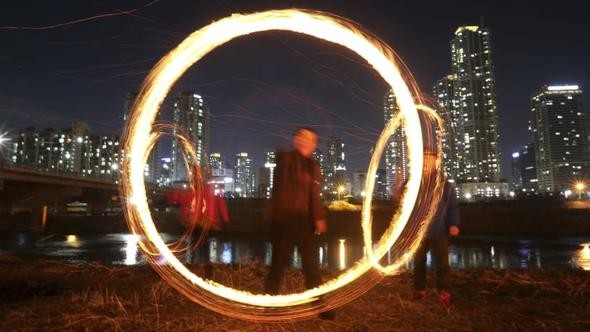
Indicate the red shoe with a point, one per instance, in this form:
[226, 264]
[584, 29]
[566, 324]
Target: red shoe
[445, 298]
[419, 294]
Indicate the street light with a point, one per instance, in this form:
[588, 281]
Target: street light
[4, 141]
[340, 191]
[580, 186]
[468, 196]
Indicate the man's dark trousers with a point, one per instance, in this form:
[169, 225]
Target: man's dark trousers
[291, 231]
[439, 251]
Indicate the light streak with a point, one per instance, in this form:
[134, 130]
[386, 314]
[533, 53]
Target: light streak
[139, 139]
[342, 254]
[395, 229]
[79, 20]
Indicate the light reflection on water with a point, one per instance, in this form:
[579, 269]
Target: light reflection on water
[122, 249]
[582, 258]
[131, 249]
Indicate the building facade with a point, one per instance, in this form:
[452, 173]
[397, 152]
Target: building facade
[444, 94]
[105, 157]
[478, 150]
[336, 180]
[266, 174]
[559, 130]
[524, 172]
[191, 118]
[153, 167]
[396, 154]
[320, 157]
[73, 150]
[245, 181]
[358, 184]
[216, 162]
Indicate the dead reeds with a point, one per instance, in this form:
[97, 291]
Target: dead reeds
[48, 295]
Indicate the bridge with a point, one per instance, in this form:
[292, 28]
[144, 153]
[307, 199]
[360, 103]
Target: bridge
[34, 176]
[34, 192]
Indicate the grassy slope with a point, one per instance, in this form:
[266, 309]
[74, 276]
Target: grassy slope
[48, 295]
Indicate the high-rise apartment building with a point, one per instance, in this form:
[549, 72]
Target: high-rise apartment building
[153, 167]
[244, 179]
[320, 157]
[358, 183]
[560, 133]
[216, 163]
[266, 174]
[191, 118]
[381, 188]
[50, 150]
[444, 94]
[396, 153]
[474, 93]
[524, 171]
[65, 151]
[335, 173]
[26, 148]
[221, 177]
[105, 157]
[165, 172]
[77, 143]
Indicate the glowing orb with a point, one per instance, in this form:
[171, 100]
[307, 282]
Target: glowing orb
[223, 299]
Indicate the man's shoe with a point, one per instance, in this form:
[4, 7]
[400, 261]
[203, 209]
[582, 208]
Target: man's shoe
[445, 298]
[328, 315]
[419, 294]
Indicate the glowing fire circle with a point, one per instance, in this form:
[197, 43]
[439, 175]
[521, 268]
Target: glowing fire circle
[220, 298]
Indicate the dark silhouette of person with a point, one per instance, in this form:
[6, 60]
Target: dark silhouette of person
[297, 211]
[444, 223]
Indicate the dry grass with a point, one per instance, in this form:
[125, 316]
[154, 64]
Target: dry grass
[49, 295]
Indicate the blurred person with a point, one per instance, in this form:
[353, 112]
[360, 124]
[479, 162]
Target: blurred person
[297, 212]
[436, 240]
[216, 209]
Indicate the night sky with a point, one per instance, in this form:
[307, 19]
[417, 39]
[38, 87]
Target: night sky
[261, 87]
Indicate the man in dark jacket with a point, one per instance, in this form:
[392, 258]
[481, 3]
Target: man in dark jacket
[296, 210]
[445, 222]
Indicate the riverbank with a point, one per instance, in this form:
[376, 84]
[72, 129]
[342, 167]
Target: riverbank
[51, 295]
[502, 218]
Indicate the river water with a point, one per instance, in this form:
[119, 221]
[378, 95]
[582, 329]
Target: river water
[464, 252]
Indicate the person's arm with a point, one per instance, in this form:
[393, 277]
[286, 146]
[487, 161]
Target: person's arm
[317, 208]
[453, 217]
[222, 206]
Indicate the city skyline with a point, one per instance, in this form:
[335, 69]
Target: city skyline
[246, 95]
[558, 128]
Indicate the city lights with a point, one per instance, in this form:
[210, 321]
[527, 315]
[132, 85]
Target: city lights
[155, 88]
[3, 139]
[562, 87]
[580, 186]
[182, 118]
[341, 190]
